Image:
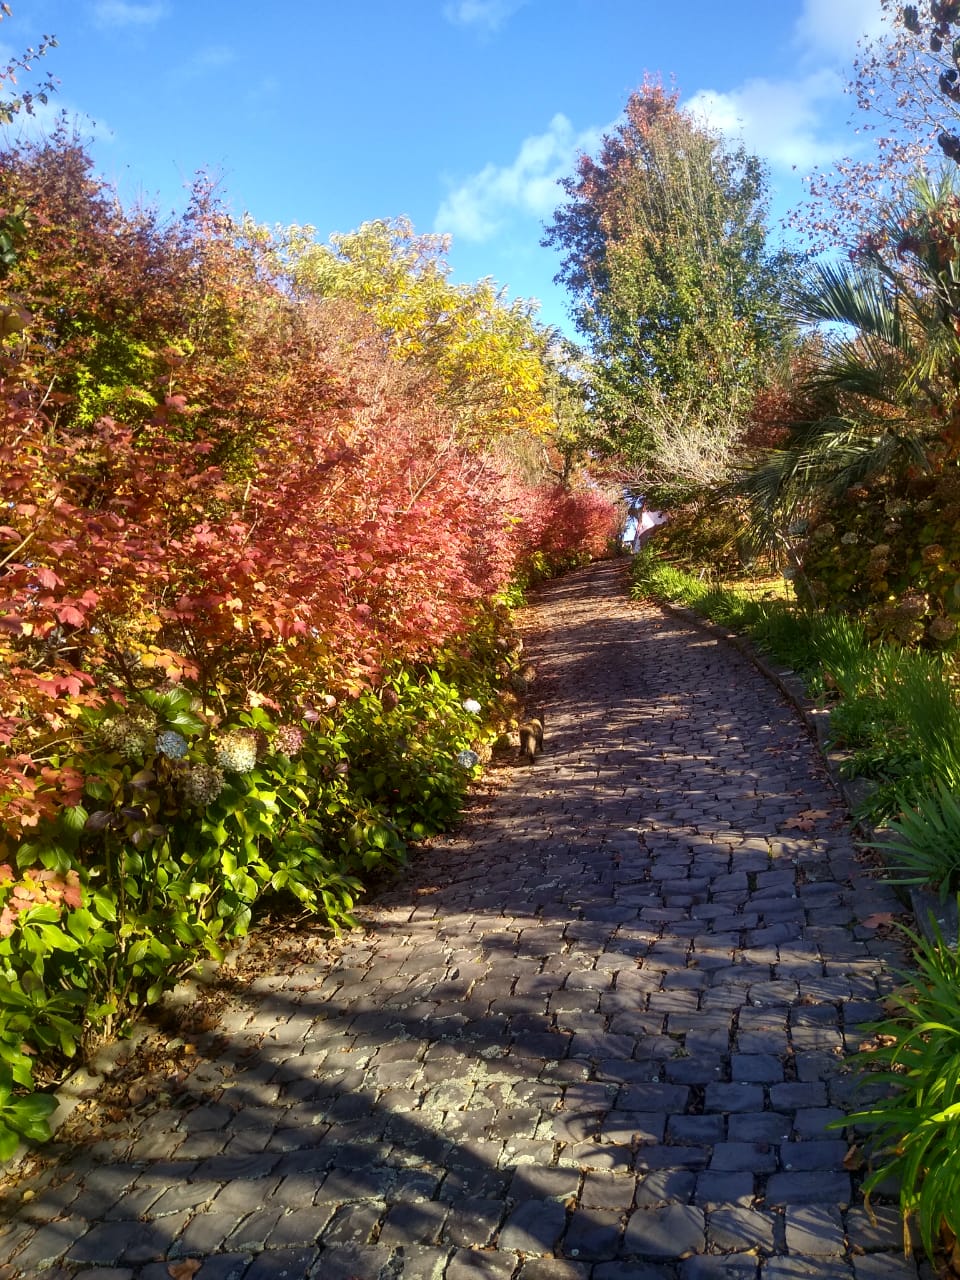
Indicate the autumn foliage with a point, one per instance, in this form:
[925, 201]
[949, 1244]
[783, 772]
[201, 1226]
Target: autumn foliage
[209, 481]
[253, 534]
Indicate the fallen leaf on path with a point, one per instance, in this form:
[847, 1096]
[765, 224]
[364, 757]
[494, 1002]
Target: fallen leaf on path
[878, 919]
[806, 819]
[799, 824]
[184, 1270]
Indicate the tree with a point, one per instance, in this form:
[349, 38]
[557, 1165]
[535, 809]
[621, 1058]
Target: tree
[906, 85]
[665, 255]
[486, 353]
[885, 386]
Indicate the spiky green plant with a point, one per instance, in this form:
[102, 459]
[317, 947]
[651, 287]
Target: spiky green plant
[925, 849]
[913, 1128]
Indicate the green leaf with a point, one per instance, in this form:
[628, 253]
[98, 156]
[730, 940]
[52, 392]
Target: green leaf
[187, 721]
[9, 1141]
[74, 818]
[106, 906]
[56, 938]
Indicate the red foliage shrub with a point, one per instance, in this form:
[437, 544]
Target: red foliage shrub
[206, 482]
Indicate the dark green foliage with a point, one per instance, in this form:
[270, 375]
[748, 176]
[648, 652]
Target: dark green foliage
[925, 849]
[664, 251]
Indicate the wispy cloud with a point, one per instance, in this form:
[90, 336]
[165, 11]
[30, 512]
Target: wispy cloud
[205, 61]
[47, 116]
[831, 28]
[792, 122]
[481, 205]
[486, 15]
[127, 13]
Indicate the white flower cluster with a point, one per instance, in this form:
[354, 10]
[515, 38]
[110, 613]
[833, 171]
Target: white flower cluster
[236, 751]
[467, 759]
[471, 705]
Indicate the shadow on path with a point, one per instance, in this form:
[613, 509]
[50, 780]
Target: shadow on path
[597, 1034]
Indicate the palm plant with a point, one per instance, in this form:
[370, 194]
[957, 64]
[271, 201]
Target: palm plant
[888, 369]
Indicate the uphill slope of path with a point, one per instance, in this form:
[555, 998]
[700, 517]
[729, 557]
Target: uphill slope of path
[595, 1034]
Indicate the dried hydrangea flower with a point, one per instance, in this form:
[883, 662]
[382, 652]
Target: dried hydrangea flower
[933, 554]
[467, 759]
[942, 629]
[236, 751]
[201, 784]
[131, 735]
[289, 740]
[912, 605]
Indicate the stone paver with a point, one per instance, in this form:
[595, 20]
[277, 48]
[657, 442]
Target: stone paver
[596, 1034]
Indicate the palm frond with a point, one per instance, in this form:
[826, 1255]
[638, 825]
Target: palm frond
[843, 294]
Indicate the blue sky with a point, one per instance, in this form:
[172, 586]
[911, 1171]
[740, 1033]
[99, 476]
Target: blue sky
[459, 114]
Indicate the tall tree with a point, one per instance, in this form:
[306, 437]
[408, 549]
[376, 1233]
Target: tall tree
[665, 253]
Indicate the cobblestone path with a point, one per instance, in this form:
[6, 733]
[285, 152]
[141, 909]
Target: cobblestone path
[595, 1036]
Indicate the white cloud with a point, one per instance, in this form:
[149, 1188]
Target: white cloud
[798, 122]
[126, 13]
[478, 208]
[780, 120]
[832, 28]
[488, 15]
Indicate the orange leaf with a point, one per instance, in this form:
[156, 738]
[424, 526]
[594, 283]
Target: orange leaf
[881, 917]
[798, 824]
[184, 1270]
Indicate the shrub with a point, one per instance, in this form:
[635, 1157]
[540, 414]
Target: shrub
[891, 554]
[246, 554]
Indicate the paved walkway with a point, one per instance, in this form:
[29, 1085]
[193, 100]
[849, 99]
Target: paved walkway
[595, 1036]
